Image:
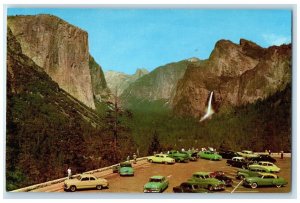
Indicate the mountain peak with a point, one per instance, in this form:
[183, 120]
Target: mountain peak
[141, 71]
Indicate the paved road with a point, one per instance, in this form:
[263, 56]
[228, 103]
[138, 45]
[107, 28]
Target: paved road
[177, 174]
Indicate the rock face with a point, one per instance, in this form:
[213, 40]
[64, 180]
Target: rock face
[60, 49]
[159, 84]
[237, 73]
[120, 81]
[99, 85]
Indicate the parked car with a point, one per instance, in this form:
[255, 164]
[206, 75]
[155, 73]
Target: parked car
[209, 155]
[265, 179]
[178, 156]
[124, 169]
[156, 184]
[228, 154]
[251, 172]
[247, 154]
[220, 175]
[192, 155]
[85, 181]
[239, 162]
[204, 180]
[187, 187]
[262, 158]
[161, 158]
[268, 166]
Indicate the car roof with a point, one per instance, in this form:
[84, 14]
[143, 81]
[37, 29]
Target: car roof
[87, 175]
[157, 177]
[267, 162]
[268, 174]
[238, 157]
[247, 151]
[201, 173]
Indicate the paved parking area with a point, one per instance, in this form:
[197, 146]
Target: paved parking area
[177, 174]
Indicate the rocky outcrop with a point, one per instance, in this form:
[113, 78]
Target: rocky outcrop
[60, 49]
[159, 84]
[237, 73]
[100, 90]
[118, 81]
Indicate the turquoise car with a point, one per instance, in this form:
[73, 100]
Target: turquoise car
[124, 169]
[267, 166]
[156, 184]
[210, 155]
[265, 179]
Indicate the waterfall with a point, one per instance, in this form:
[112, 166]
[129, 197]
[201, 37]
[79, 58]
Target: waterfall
[209, 110]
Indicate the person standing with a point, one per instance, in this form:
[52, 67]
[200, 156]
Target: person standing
[281, 154]
[69, 173]
[134, 158]
[128, 158]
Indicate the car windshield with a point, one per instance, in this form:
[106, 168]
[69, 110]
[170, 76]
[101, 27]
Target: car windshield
[125, 165]
[155, 180]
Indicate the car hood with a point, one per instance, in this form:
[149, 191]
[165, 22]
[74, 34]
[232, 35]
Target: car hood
[152, 185]
[71, 181]
[126, 169]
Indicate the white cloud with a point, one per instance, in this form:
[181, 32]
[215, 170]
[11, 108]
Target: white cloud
[272, 39]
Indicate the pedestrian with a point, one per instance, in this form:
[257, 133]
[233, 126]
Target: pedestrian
[128, 158]
[69, 173]
[281, 154]
[269, 152]
[134, 158]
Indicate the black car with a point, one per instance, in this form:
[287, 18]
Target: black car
[239, 162]
[189, 188]
[228, 181]
[228, 154]
[262, 158]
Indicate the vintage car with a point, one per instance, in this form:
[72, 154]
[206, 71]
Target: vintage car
[262, 157]
[124, 169]
[209, 155]
[85, 181]
[204, 180]
[156, 184]
[247, 154]
[268, 166]
[228, 154]
[178, 156]
[220, 175]
[251, 172]
[264, 179]
[239, 162]
[187, 187]
[192, 155]
[161, 158]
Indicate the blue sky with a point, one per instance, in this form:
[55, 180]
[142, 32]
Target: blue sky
[127, 39]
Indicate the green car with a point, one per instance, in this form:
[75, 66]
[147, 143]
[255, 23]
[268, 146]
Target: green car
[178, 156]
[210, 155]
[265, 179]
[268, 166]
[204, 180]
[156, 184]
[124, 169]
[252, 172]
[161, 158]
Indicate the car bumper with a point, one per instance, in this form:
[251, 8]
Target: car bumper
[151, 191]
[126, 174]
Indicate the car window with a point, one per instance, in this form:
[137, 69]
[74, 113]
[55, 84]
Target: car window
[85, 179]
[157, 156]
[92, 178]
[270, 164]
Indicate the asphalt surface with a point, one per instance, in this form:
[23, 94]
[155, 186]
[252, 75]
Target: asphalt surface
[178, 173]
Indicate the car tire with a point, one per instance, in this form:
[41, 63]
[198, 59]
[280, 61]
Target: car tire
[150, 160]
[166, 162]
[241, 177]
[210, 188]
[254, 185]
[99, 187]
[73, 188]
[278, 186]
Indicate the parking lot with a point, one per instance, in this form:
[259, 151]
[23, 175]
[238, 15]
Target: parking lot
[177, 174]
